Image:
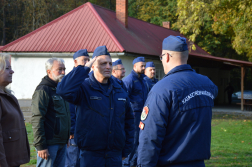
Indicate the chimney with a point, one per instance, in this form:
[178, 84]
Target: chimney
[122, 11]
[166, 24]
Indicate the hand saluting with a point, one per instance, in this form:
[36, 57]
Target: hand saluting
[90, 63]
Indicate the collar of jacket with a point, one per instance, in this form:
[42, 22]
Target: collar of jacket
[183, 67]
[49, 82]
[3, 92]
[118, 80]
[95, 84]
[147, 78]
[136, 75]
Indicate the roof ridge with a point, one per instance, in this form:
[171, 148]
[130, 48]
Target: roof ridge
[153, 25]
[42, 27]
[105, 26]
[136, 18]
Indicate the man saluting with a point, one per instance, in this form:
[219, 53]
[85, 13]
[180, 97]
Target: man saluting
[105, 124]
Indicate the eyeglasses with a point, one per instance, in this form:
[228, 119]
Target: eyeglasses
[161, 56]
[120, 69]
[61, 69]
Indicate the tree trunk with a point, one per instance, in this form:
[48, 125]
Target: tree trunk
[4, 24]
[33, 16]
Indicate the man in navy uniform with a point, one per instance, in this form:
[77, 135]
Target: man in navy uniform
[81, 57]
[104, 119]
[138, 91]
[176, 119]
[150, 72]
[118, 72]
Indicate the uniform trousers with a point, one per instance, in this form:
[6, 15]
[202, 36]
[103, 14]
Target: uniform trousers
[131, 160]
[88, 159]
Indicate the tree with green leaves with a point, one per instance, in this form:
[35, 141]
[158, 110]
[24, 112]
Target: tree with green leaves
[154, 11]
[221, 27]
[19, 17]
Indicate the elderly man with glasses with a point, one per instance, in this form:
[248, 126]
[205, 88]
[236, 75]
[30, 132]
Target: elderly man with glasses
[118, 72]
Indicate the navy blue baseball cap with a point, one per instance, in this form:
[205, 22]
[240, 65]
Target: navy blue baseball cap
[175, 43]
[138, 59]
[117, 62]
[82, 52]
[150, 64]
[100, 50]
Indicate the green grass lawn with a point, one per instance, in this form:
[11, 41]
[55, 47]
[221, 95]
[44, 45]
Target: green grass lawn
[231, 142]
[33, 160]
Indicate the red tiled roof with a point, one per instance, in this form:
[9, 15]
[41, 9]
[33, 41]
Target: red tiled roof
[140, 36]
[89, 26]
[78, 29]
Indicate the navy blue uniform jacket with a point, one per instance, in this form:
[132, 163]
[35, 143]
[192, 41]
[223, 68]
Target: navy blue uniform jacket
[137, 90]
[73, 118]
[177, 128]
[120, 83]
[150, 82]
[104, 120]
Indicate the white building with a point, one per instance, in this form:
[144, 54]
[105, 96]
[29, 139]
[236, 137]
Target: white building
[89, 26]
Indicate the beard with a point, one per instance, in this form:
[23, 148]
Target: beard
[58, 78]
[141, 72]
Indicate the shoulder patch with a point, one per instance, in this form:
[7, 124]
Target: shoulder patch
[145, 113]
[141, 125]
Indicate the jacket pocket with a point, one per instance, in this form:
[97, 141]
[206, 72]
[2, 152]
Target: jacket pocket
[59, 105]
[10, 136]
[96, 111]
[120, 106]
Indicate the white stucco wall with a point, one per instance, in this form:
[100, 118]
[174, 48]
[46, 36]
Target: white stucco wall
[28, 72]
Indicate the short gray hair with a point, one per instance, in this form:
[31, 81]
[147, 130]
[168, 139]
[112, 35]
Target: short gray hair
[115, 67]
[181, 54]
[49, 62]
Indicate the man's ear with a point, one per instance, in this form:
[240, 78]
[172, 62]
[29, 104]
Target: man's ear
[92, 67]
[75, 61]
[48, 72]
[167, 57]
